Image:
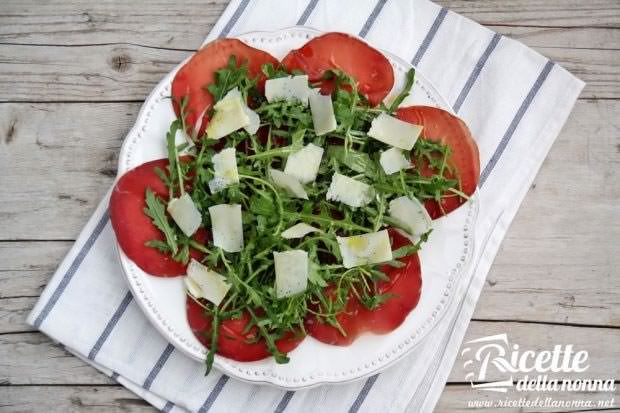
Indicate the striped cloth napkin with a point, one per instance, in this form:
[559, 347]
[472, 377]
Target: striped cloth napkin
[515, 102]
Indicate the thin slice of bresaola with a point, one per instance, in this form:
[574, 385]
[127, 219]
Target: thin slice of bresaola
[404, 283]
[368, 66]
[193, 78]
[440, 125]
[233, 341]
[133, 228]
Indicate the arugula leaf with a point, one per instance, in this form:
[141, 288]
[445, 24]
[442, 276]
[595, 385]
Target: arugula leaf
[285, 113]
[174, 165]
[274, 72]
[373, 302]
[156, 210]
[234, 75]
[159, 245]
[214, 335]
[183, 254]
[266, 209]
[405, 251]
[410, 249]
[403, 93]
[359, 162]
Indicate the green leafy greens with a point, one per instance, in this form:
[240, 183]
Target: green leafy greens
[268, 210]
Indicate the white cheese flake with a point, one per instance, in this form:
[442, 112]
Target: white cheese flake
[394, 160]
[304, 164]
[299, 230]
[225, 170]
[349, 191]
[254, 119]
[229, 116]
[254, 124]
[192, 287]
[289, 88]
[227, 227]
[322, 109]
[395, 132]
[184, 212]
[201, 282]
[291, 269]
[289, 183]
[365, 249]
[410, 215]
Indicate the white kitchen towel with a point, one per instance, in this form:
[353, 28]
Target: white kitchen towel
[515, 102]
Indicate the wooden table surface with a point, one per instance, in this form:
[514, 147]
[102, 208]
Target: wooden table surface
[74, 74]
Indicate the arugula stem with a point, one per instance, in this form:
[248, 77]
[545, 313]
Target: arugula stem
[327, 221]
[273, 152]
[199, 247]
[278, 199]
[459, 193]
[251, 272]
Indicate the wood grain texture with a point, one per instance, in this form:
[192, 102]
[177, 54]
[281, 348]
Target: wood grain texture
[13, 313]
[25, 267]
[115, 399]
[544, 13]
[160, 24]
[38, 137]
[109, 399]
[569, 282]
[78, 143]
[562, 245]
[558, 263]
[128, 72]
[83, 73]
[183, 25]
[605, 38]
[20, 362]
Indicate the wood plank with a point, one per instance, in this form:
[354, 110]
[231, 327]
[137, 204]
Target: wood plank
[597, 67]
[25, 267]
[179, 25]
[558, 287]
[562, 245]
[13, 313]
[568, 282]
[583, 51]
[37, 139]
[121, 72]
[21, 361]
[116, 399]
[563, 37]
[109, 399]
[546, 13]
[574, 283]
[99, 73]
[184, 25]
[32, 358]
[462, 398]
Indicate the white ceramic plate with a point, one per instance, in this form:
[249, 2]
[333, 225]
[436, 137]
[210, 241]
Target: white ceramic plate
[313, 363]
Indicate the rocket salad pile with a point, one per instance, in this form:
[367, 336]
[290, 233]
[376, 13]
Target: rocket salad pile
[299, 199]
